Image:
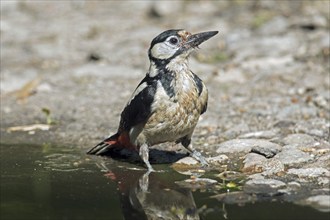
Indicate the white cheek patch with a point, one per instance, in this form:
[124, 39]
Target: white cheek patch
[163, 51]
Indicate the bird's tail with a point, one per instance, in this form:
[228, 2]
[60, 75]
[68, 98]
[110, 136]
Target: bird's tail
[116, 140]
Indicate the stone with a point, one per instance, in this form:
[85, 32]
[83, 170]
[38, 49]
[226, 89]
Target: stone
[201, 181]
[230, 175]
[237, 197]
[293, 186]
[163, 9]
[266, 151]
[188, 161]
[321, 101]
[272, 166]
[309, 172]
[217, 160]
[295, 109]
[268, 187]
[300, 139]
[275, 26]
[244, 146]
[197, 183]
[231, 75]
[319, 202]
[256, 176]
[282, 124]
[188, 166]
[233, 132]
[318, 127]
[324, 160]
[253, 163]
[292, 156]
[260, 134]
[316, 132]
[323, 181]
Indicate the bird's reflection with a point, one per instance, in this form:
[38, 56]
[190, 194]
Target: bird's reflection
[151, 195]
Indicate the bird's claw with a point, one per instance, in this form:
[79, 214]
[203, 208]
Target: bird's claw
[198, 156]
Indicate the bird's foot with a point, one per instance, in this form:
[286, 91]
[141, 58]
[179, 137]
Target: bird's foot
[144, 154]
[150, 169]
[198, 156]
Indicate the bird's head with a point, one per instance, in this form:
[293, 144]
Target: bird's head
[173, 44]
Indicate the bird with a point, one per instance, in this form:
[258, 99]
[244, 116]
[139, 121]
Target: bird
[168, 102]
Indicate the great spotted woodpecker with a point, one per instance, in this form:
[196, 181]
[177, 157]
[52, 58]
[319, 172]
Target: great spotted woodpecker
[166, 105]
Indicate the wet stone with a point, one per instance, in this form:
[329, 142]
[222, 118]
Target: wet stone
[323, 181]
[319, 202]
[321, 191]
[230, 175]
[217, 160]
[197, 183]
[234, 197]
[268, 187]
[294, 186]
[189, 161]
[188, 166]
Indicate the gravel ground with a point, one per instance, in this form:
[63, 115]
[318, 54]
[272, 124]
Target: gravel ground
[73, 65]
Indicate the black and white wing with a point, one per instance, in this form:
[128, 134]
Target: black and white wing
[138, 109]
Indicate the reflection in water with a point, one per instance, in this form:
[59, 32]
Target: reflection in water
[151, 196]
[41, 182]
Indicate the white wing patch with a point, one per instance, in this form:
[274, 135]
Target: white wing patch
[138, 90]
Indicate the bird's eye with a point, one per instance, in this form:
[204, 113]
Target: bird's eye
[174, 40]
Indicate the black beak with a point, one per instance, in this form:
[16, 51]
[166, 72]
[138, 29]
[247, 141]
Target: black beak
[196, 39]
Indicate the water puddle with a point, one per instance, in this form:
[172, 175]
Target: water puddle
[45, 182]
